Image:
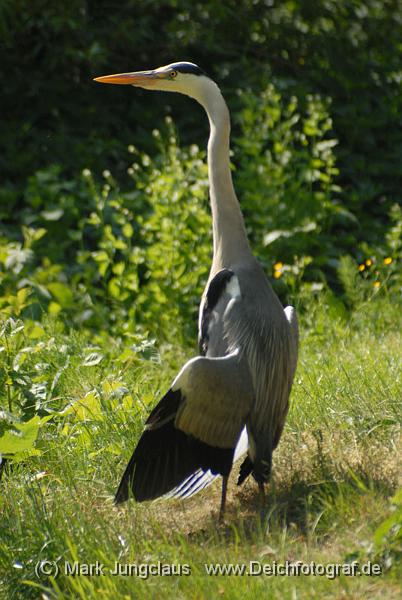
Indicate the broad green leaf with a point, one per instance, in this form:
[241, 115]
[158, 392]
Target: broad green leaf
[127, 230]
[62, 293]
[22, 436]
[88, 408]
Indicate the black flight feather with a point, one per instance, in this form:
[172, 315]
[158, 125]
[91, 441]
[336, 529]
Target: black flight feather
[165, 456]
[245, 469]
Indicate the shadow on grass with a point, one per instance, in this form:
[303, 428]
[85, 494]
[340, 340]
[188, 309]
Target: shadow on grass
[298, 506]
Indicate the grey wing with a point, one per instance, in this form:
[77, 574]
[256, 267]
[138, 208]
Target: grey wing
[212, 342]
[201, 479]
[289, 371]
[293, 351]
[193, 431]
[273, 359]
[222, 288]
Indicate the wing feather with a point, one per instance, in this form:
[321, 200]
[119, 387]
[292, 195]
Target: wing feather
[176, 454]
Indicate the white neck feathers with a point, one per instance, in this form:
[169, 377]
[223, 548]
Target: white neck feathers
[229, 235]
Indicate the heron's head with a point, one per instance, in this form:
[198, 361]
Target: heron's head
[182, 77]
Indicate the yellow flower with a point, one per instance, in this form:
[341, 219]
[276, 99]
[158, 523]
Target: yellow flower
[362, 267]
[369, 262]
[278, 266]
[277, 274]
[376, 284]
[387, 260]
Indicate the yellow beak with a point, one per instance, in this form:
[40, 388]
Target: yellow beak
[138, 78]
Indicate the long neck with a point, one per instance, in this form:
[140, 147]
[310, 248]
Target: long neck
[229, 234]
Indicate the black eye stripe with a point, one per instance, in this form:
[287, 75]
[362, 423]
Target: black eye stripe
[188, 68]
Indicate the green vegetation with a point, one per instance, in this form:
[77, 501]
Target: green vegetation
[105, 248]
[330, 501]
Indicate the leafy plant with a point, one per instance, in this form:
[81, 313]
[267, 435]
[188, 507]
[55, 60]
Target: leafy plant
[388, 535]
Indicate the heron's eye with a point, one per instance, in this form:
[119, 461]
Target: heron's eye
[173, 74]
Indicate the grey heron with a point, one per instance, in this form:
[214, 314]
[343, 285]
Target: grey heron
[232, 398]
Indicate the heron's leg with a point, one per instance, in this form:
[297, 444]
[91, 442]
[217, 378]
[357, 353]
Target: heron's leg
[223, 498]
[261, 489]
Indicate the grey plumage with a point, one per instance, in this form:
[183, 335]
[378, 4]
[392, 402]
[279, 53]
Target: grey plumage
[235, 396]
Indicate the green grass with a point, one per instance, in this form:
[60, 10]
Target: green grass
[335, 472]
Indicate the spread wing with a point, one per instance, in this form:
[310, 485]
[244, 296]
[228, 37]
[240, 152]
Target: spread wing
[222, 288]
[193, 430]
[202, 479]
